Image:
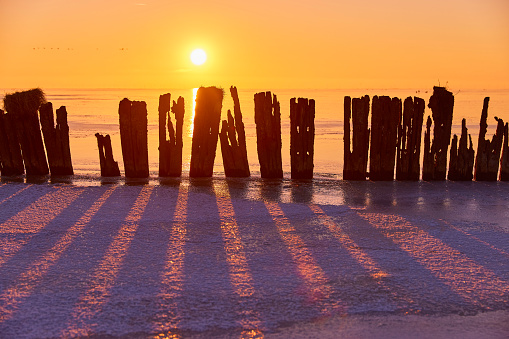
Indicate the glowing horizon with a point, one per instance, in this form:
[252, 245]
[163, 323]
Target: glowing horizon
[323, 45]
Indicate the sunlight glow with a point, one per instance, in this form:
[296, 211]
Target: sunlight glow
[34, 218]
[14, 194]
[315, 280]
[172, 277]
[473, 282]
[198, 57]
[104, 276]
[240, 275]
[29, 279]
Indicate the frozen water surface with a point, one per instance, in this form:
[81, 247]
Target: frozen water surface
[246, 258]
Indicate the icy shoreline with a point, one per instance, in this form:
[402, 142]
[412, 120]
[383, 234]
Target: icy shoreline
[220, 256]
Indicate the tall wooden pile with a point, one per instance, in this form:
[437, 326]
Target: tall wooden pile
[133, 137]
[209, 101]
[435, 152]
[109, 167]
[504, 161]
[11, 160]
[170, 151]
[461, 159]
[356, 148]
[488, 153]
[56, 139]
[385, 120]
[302, 137]
[24, 106]
[268, 134]
[233, 141]
[408, 153]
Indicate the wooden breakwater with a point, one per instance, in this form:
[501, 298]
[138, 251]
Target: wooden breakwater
[233, 141]
[302, 137]
[170, 151]
[209, 101]
[56, 139]
[21, 143]
[395, 137]
[408, 150]
[109, 167]
[268, 134]
[389, 141]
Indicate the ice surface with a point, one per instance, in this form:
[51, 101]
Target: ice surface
[224, 257]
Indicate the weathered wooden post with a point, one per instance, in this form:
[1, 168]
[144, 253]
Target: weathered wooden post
[109, 167]
[504, 161]
[233, 141]
[209, 101]
[133, 137]
[488, 153]
[356, 148]
[268, 134]
[409, 140]
[10, 151]
[385, 120]
[435, 152]
[56, 139]
[461, 159]
[24, 106]
[302, 137]
[170, 151]
[428, 163]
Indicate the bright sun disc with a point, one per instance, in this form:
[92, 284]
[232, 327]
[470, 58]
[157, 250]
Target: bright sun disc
[198, 57]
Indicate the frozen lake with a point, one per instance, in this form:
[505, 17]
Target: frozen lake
[247, 257]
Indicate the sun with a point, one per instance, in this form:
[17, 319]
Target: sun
[198, 57]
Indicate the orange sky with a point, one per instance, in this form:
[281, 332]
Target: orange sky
[267, 44]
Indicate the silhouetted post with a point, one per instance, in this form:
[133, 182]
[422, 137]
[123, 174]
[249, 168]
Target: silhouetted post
[435, 155]
[356, 157]
[24, 106]
[10, 152]
[170, 151]
[461, 159]
[488, 153]
[209, 101]
[133, 137]
[408, 154]
[302, 137]
[109, 167]
[268, 134]
[385, 120]
[428, 163]
[504, 161]
[234, 151]
[56, 139]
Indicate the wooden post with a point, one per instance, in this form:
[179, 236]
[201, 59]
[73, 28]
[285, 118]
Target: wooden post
[209, 101]
[24, 106]
[170, 151]
[385, 120]
[268, 134]
[461, 159]
[428, 162]
[10, 151]
[409, 140]
[302, 137]
[56, 139]
[488, 153]
[133, 137]
[234, 151]
[435, 157]
[504, 161]
[356, 156]
[109, 167]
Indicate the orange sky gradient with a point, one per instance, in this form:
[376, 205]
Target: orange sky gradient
[264, 44]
